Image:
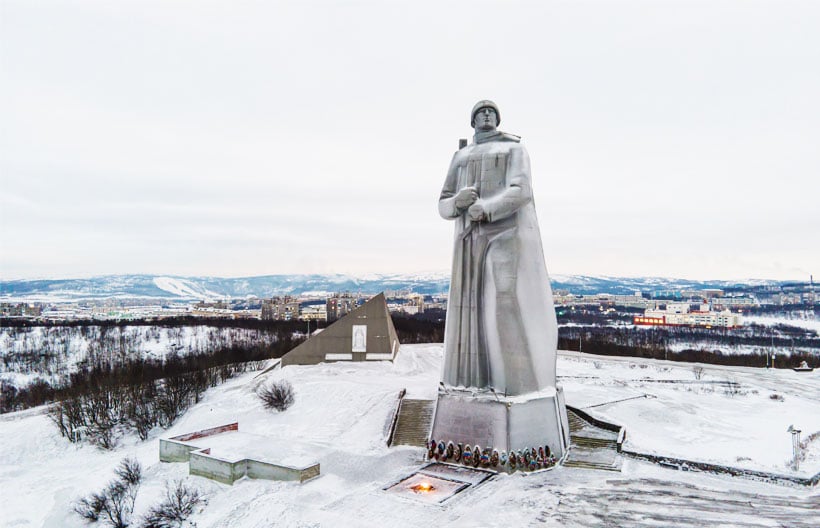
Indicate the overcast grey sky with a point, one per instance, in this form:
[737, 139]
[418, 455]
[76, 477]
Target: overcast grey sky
[667, 138]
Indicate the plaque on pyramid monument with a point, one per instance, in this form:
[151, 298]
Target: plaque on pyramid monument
[365, 334]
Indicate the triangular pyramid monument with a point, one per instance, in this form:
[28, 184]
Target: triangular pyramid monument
[365, 334]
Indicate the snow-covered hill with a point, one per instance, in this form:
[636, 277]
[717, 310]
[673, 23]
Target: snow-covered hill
[184, 288]
[52, 354]
[341, 415]
[188, 288]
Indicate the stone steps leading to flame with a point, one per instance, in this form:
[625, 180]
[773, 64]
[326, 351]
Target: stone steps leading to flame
[414, 422]
[592, 446]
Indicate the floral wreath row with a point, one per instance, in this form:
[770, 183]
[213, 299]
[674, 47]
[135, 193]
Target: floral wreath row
[525, 459]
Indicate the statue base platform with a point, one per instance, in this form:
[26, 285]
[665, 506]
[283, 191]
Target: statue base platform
[503, 423]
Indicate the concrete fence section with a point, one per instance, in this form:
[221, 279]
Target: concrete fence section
[264, 470]
[171, 451]
[178, 448]
[228, 471]
[207, 432]
[203, 463]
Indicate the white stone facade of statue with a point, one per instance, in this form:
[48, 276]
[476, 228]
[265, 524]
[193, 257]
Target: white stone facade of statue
[501, 330]
[498, 386]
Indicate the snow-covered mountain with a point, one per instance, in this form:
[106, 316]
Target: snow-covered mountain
[175, 287]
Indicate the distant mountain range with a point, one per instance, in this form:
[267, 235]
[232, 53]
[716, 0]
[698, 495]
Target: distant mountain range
[211, 288]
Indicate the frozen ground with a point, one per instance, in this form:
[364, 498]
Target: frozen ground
[341, 415]
[734, 416]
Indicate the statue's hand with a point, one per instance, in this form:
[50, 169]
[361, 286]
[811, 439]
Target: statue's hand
[476, 212]
[466, 197]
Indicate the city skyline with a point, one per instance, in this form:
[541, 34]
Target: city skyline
[669, 139]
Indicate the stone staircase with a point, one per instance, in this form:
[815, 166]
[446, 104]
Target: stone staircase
[591, 447]
[576, 423]
[415, 418]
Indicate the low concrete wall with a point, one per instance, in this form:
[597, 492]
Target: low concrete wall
[595, 421]
[202, 433]
[395, 419]
[693, 465]
[265, 470]
[204, 465]
[172, 451]
[227, 472]
[175, 449]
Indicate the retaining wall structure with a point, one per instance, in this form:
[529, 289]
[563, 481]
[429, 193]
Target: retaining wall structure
[228, 469]
[694, 465]
[178, 448]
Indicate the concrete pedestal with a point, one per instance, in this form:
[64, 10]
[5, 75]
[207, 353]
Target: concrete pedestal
[501, 423]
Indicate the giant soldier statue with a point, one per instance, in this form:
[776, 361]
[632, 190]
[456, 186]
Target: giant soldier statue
[498, 382]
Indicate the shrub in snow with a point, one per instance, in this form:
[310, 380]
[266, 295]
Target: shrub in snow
[732, 389]
[278, 395]
[698, 372]
[179, 503]
[114, 504]
[129, 472]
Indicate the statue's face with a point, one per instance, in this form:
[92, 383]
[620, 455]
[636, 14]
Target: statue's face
[486, 119]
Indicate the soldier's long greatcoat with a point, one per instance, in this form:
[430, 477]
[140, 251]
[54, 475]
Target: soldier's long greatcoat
[501, 329]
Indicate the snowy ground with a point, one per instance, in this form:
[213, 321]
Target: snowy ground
[341, 415]
[734, 416]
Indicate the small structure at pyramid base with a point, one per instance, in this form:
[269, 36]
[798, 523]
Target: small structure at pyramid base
[365, 334]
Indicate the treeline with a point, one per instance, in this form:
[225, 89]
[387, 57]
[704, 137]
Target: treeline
[217, 322]
[100, 411]
[52, 353]
[788, 310]
[114, 391]
[113, 367]
[419, 328]
[589, 316]
[653, 343]
[778, 336]
[109, 368]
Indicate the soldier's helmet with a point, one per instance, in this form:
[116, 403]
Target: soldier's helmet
[485, 103]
